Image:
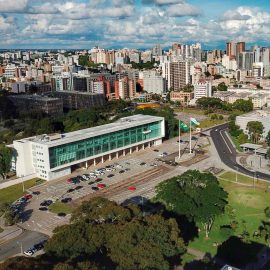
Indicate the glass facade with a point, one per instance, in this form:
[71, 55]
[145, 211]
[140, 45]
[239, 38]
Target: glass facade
[67, 153]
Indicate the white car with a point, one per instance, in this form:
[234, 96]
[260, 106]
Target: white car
[108, 169]
[28, 252]
[93, 176]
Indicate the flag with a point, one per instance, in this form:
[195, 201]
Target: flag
[193, 121]
[183, 127]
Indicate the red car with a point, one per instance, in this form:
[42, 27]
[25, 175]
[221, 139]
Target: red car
[28, 196]
[101, 186]
[131, 188]
[69, 180]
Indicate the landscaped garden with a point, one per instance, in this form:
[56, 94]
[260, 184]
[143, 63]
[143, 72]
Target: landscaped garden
[243, 215]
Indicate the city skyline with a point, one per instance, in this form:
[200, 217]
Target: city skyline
[79, 24]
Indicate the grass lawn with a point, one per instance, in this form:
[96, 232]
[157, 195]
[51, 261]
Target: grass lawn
[190, 110]
[207, 123]
[11, 194]
[187, 258]
[59, 207]
[248, 205]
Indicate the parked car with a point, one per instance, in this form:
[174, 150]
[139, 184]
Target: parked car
[91, 183]
[95, 188]
[132, 188]
[36, 192]
[28, 196]
[156, 150]
[29, 252]
[43, 208]
[46, 203]
[142, 163]
[69, 180]
[98, 180]
[194, 138]
[110, 175]
[78, 187]
[66, 200]
[101, 186]
[122, 171]
[70, 190]
[61, 214]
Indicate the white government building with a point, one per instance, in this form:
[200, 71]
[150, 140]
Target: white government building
[53, 156]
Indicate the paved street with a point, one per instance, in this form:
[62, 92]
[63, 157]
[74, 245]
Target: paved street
[22, 242]
[228, 153]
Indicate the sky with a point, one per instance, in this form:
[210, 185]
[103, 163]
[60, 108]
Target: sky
[83, 24]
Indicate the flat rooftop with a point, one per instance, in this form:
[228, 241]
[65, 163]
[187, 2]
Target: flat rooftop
[251, 146]
[121, 124]
[34, 97]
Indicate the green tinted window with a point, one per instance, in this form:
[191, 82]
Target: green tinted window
[68, 153]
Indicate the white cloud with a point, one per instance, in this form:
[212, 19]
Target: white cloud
[7, 6]
[184, 9]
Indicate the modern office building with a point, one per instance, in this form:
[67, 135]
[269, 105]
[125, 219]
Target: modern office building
[202, 89]
[73, 100]
[35, 103]
[57, 155]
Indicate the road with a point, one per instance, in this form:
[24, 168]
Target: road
[24, 241]
[228, 153]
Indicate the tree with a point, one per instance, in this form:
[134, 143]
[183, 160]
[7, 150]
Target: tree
[243, 105]
[267, 212]
[5, 160]
[121, 236]
[209, 102]
[255, 130]
[267, 139]
[195, 195]
[264, 230]
[222, 87]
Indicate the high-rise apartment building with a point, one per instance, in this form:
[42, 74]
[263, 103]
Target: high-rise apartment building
[154, 83]
[231, 49]
[179, 74]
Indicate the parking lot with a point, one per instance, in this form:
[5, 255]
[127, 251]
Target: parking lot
[140, 171]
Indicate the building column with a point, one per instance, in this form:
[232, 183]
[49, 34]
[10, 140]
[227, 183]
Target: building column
[117, 155]
[143, 146]
[124, 152]
[149, 145]
[86, 165]
[95, 163]
[130, 150]
[102, 159]
[137, 148]
[110, 157]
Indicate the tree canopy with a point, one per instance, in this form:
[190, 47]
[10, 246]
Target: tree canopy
[243, 105]
[5, 160]
[222, 87]
[105, 235]
[196, 195]
[255, 130]
[209, 102]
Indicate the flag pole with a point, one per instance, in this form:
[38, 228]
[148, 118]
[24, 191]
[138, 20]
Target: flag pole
[190, 148]
[179, 146]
